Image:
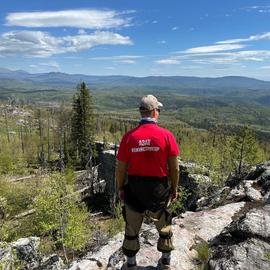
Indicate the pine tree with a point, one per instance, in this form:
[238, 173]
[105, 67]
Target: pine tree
[243, 149]
[82, 125]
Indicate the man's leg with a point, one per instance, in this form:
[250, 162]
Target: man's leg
[131, 243]
[165, 241]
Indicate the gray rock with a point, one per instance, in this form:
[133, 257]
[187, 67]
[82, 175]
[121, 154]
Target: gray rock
[237, 194]
[264, 181]
[187, 231]
[252, 193]
[244, 244]
[5, 253]
[267, 198]
[53, 262]
[216, 199]
[26, 250]
[248, 255]
[254, 224]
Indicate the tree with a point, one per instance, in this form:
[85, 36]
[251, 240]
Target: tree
[243, 149]
[82, 125]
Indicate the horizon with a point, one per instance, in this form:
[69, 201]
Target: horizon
[120, 75]
[134, 76]
[191, 39]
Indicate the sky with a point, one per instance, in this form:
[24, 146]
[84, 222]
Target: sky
[205, 38]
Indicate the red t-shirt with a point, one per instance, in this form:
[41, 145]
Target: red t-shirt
[146, 149]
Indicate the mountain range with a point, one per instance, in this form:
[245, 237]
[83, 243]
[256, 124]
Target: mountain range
[181, 84]
[200, 102]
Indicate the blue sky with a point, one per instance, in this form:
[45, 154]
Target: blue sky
[206, 38]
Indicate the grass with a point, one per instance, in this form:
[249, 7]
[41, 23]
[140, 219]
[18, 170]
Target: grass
[203, 255]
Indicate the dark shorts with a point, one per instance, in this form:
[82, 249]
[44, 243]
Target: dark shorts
[147, 193]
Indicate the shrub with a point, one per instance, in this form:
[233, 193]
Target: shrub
[60, 215]
[178, 207]
[18, 196]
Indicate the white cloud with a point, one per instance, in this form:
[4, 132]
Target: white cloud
[168, 62]
[175, 28]
[214, 48]
[42, 44]
[251, 38]
[154, 22]
[260, 9]
[229, 57]
[126, 59]
[85, 18]
[116, 57]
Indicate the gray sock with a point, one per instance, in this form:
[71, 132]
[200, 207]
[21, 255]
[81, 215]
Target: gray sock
[131, 260]
[166, 257]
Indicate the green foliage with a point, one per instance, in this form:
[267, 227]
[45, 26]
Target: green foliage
[203, 254]
[82, 125]
[267, 256]
[59, 214]
[18, 196]
[178, 207]
[116, 224]
[4, 231]
[76, 233]
[12, 263]
[243, 149]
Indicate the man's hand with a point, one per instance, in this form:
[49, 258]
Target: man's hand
[174, 196]
[120, 174]
[174, 175]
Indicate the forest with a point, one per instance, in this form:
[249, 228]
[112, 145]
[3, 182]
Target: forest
[44, 144]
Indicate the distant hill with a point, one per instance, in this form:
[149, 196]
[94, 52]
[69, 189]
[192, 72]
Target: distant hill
[179, 84]
[200, 102]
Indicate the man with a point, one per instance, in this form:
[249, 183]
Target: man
[148, 153]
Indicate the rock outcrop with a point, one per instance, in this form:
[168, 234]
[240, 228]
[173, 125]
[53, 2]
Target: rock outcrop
[236, 228]
[244, 244]
[232, 223]
[24, 254]
[189, 230]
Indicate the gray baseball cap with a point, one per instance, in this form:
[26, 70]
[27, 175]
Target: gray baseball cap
[149, 103]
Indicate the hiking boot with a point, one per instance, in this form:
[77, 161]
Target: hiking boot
[164, 264]
[126, 266]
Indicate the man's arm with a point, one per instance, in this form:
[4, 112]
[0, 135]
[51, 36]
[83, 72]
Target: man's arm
[121, 169]
[174, 176]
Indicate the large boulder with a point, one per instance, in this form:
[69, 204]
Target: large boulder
[254, 186]
[24, 252]
[196, 183]
[244, 244]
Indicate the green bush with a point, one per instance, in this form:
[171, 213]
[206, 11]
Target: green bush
[19, 196]
[116, 224]
[178, 207]
[60, 215]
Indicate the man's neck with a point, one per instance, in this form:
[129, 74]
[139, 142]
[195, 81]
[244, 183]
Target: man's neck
[150, 120]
